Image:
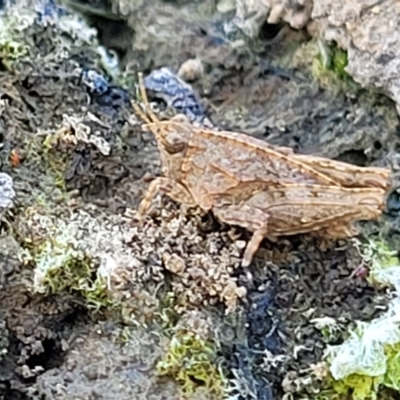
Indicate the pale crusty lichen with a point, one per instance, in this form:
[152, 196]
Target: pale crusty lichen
[367, 360]
[74, 130]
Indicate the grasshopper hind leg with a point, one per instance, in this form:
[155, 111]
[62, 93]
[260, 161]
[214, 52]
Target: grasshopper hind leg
[249, 218]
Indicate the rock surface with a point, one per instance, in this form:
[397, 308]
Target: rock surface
[85, 165]
[7, 193]
[366, 29]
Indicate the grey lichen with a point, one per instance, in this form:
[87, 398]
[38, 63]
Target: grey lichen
[7, 192]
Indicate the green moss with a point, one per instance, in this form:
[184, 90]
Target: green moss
[329, 67]
[338, 63]
[61, 267]
[191, 362]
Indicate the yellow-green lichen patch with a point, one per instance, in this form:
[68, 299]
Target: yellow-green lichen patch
[190, 361]
[355, 387]
[369, 359]
[61, 266]
[364, 387]
[12, 46]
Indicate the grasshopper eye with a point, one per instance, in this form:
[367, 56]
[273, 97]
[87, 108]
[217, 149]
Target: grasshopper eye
[173, 142]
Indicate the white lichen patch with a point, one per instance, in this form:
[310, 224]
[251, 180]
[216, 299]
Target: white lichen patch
[7, 192]
[364, 352]
[76, 130]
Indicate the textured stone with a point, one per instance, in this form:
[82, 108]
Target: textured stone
[367, 29]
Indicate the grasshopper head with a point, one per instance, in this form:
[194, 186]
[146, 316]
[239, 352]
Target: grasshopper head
[172, 136]
[172, 139]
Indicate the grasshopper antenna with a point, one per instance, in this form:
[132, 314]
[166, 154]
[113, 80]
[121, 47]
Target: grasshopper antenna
[145, 100]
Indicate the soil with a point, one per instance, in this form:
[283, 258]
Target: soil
[83, 166]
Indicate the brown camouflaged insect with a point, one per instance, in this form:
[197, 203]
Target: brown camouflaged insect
[268, 190]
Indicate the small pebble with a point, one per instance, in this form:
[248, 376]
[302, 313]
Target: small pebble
[240, 244]
[191, 70]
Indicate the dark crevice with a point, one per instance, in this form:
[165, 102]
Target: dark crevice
[355, 157]
[8, 393]
[270, 31]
